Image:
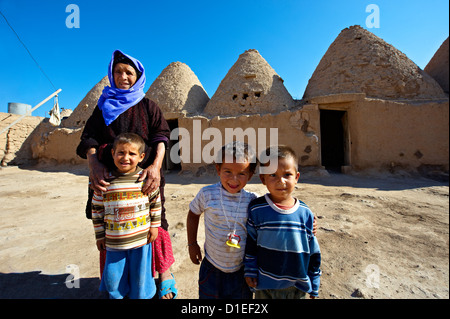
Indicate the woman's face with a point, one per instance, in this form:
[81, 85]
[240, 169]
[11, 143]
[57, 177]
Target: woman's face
[124, 76]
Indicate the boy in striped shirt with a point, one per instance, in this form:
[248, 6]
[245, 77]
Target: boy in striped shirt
[126, 223]
[224, 205]
[282, 255]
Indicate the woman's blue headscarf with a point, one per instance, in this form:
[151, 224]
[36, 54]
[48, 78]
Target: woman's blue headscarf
[114, 101]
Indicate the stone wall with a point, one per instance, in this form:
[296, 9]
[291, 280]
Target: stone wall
[391, 135]
[58, 146]
[34, 140]
[382, 135]
[15, 144]
[297, 128]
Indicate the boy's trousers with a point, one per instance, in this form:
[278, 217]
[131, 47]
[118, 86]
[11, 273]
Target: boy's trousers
[129, 273]
[216, 284]
[287, 293]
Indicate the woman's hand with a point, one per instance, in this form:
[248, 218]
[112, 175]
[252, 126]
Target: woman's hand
[97, 172]
[152, 174]
[152, 177]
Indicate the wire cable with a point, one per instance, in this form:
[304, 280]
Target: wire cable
[42, 70]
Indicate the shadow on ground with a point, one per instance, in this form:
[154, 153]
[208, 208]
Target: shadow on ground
[35, 285]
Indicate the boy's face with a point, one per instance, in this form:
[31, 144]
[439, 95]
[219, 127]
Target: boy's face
[234, 176]
[281, 184]
[126, 157]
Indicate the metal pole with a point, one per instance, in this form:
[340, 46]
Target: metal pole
[29, 112]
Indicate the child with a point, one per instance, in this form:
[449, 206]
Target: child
[282, 256]
[225, 207]
[126, 222]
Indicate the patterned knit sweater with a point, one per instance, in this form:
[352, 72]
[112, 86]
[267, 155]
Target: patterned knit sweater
[123, 214]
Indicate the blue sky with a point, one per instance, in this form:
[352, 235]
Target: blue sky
[209, 36]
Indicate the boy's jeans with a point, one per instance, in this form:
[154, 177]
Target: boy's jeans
[216, 284]
[129, 273]
[287, 293]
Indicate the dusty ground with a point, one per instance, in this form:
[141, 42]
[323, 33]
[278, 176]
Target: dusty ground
[383, 237]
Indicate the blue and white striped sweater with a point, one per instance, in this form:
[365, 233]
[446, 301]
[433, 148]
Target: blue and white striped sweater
[281, 250]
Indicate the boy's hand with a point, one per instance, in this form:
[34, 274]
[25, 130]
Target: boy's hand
[101, 244]
[314, 231]
[251, 282]
[152, 234]
[195, 253]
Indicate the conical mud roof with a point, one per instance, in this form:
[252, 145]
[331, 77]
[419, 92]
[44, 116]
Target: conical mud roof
[360, 62]
[177, 88]
[251, 86]
[438, 66]
[87, 105]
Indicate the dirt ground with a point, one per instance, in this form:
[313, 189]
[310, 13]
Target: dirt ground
[381, 237]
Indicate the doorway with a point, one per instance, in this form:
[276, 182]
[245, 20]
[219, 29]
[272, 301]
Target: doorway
[333, 128]
[168, 165]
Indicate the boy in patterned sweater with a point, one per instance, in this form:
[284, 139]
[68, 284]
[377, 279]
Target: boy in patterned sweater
[282, 256]
[126, 223]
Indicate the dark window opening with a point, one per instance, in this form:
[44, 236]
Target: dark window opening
[244, 96]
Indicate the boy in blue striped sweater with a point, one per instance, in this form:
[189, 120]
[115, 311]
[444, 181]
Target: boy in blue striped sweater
[282, 255]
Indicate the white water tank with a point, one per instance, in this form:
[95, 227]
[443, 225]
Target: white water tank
[18, 108]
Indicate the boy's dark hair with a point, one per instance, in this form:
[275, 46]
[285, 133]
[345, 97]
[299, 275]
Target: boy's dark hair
[130, 138]
[277, 152]
[239, 152]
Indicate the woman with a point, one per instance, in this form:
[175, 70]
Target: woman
[123, 108]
